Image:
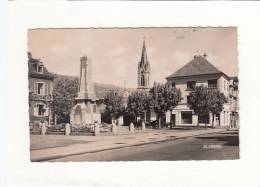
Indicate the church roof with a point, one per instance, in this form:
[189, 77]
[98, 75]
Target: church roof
[197, 66]
[144, 63]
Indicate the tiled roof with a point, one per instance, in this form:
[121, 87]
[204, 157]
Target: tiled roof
[197, 66]
[33, 71]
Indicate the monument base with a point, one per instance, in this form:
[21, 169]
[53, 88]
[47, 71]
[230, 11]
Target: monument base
[85, 113]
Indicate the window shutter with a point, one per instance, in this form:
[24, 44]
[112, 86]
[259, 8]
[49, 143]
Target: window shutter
[46, 110]
[46, 89]
[35, 88]
[35, 110]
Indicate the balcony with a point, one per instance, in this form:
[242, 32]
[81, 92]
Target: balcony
[212, 86]
[36, 97]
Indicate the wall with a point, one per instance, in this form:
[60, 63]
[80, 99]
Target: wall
[181, 83]
[33, 102]
[32, 82]
[223, 85]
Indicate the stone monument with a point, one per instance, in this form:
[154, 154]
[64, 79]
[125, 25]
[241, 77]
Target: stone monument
[43, 127]
[85, 111]
[114, 128]
[67, 129]
[143, 126]
[96, 129]
[131, 128]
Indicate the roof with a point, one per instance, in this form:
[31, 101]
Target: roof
[197, 66]
[32, 65]
[144, 63]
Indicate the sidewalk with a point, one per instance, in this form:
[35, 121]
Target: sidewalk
[91, 144]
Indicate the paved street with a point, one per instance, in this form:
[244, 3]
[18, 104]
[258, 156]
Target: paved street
[49, 147]
[215, 146]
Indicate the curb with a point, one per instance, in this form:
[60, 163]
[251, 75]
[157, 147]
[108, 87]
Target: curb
[119, 147]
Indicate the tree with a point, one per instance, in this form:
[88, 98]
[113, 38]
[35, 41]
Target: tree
[114, 104]
[64, 93]
[204, 101]
[217, 101]
[198, 101]
[163, 97]
[138, 104]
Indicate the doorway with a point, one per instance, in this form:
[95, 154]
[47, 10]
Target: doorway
[173, 123]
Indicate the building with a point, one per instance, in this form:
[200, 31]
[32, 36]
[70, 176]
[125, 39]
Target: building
[143, 77]
[143, 71]
[40, 91]
[201, 72]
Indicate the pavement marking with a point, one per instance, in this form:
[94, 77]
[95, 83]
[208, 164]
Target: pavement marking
[212, 146]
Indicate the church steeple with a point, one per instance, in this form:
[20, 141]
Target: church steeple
[144, 70]
[144, 54]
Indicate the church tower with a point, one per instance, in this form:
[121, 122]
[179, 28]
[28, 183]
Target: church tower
[144, 70]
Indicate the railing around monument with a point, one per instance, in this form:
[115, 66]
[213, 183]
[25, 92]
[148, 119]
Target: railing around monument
[82, 130]
[76, 130]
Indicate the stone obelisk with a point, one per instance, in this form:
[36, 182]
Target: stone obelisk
[85, 111]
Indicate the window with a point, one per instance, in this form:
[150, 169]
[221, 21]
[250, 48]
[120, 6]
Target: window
[41, 88]
[186, 117]
[40, 68]
[40, 110]
[142, 80]
[212, 83]
[188, 97]
[204, 119]
[94, 108]
[173, 84]
[191, 85]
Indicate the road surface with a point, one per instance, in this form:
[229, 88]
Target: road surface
[217, 146]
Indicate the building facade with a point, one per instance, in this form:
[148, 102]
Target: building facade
[201, 72]
[40, 91]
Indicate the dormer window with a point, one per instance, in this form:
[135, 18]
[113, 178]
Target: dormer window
[40, 68]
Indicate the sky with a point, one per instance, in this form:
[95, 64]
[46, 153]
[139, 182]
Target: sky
[115, 52]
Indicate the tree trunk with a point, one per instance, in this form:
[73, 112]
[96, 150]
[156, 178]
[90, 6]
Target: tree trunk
[213, 119]
[198, 123]
[159, 121]
[172, 124]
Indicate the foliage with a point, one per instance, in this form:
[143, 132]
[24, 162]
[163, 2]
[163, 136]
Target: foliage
[216, 101]
[64, 93]
[138, 103]
[198, 101]
[114, 104]
[204, 101]
[164, 97]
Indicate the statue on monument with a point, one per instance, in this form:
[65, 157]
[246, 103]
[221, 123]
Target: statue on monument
[85, 111]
